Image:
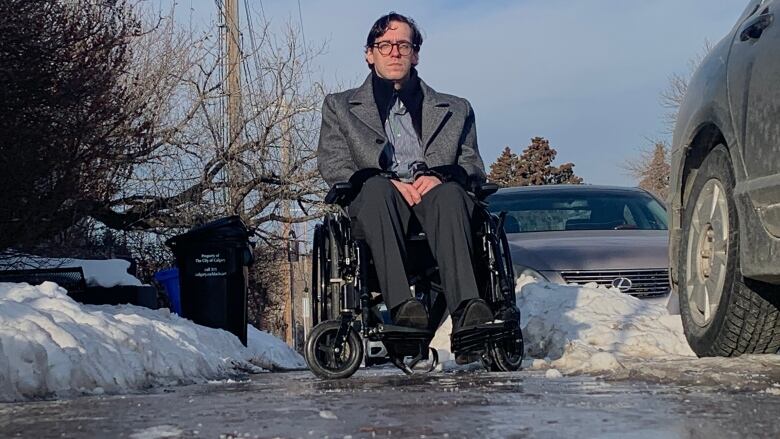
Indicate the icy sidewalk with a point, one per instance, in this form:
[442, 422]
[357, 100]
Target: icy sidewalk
[52, 346]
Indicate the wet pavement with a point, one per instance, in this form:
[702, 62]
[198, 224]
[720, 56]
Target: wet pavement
[384, 403]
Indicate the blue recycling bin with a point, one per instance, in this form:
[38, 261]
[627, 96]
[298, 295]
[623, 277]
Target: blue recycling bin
[169, 279]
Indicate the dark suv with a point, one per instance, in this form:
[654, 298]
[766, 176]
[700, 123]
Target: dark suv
[725, 192]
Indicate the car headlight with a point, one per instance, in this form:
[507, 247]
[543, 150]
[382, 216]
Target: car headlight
[521, 270]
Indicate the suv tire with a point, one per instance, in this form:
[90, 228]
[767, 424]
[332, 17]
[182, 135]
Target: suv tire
[723, 314]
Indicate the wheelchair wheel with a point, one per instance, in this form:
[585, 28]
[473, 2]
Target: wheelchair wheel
[322, 358]
[325, 296]
[317, 278]
[506, 355]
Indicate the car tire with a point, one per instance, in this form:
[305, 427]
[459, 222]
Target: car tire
[723, 314]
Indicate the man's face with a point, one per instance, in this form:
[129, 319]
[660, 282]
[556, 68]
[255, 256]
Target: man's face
[394, 67]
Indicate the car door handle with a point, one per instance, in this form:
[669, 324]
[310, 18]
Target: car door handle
[756, 27]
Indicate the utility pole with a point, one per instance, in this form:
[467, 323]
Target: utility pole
[292, 258]
[233, 76]
[287, 229]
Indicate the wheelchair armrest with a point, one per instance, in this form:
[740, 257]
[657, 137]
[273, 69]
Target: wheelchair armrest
[484, 190]
[339, 193]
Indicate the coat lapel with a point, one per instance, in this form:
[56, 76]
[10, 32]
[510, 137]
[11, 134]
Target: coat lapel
[364, 108]
[434, 114]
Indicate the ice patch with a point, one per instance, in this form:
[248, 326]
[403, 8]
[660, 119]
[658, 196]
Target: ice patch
[157, 432]
[327, 414]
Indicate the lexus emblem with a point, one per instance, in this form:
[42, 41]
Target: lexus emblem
[623, 284]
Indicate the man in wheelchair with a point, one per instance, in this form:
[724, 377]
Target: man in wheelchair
[400, 158]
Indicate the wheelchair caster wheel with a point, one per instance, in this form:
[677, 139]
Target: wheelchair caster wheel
[328, 361]
[507, 355]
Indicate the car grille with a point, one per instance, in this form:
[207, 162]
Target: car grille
[644, 283]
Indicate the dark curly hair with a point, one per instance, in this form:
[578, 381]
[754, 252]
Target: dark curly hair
[383, 24]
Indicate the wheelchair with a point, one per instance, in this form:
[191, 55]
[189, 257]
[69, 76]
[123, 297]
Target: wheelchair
[351, 325]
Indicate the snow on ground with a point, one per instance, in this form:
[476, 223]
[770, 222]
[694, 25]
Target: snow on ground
[595, 330]
[592, 329]
[53, 346]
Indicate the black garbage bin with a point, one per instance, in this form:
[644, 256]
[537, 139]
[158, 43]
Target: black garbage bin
[213, 261]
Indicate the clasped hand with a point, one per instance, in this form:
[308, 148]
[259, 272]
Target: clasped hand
[413, 192]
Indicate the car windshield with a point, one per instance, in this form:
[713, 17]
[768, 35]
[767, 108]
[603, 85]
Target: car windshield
[547, 211]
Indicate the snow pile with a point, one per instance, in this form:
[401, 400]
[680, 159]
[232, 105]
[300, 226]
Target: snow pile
[97, 273]
[571, 329]
[594, 329]
[51, 345]
[268, 352]
[581, 329]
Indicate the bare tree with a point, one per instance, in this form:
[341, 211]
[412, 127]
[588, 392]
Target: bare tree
[652, 169]
[672, 96]
[182, 179]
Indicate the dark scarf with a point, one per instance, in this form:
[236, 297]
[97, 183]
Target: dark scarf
[411, 95]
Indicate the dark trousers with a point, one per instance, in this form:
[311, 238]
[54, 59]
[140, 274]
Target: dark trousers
[445, 216]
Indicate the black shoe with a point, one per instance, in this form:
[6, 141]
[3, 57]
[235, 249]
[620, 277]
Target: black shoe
[411, 314]
[472, 313]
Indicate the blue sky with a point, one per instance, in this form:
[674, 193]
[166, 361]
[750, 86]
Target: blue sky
[585, 74]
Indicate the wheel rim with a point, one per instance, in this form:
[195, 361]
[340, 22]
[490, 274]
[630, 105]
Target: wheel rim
[707, 259]
[326, 355]
[316, 277]
[324, 276]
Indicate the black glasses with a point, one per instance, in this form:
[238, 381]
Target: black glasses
[386, 48]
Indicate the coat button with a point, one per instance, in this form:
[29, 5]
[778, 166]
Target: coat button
[380, 141]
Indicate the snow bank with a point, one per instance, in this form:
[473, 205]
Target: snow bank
[268, 352]
[588, 329]
[593, 329]
[52, 346]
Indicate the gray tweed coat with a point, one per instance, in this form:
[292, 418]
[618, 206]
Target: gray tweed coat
[352, 137]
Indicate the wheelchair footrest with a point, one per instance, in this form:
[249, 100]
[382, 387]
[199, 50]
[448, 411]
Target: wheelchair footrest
[476, 338]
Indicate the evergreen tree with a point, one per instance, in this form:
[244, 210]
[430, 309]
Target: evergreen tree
[563, 174]
[536, 166]
[532, 167]
[504, 171]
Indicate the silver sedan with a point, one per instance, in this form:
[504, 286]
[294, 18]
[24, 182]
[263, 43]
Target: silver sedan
[577, 234]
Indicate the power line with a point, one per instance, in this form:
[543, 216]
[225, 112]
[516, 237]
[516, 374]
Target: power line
[300, 19]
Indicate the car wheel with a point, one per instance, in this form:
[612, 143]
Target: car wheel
[723, 314]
